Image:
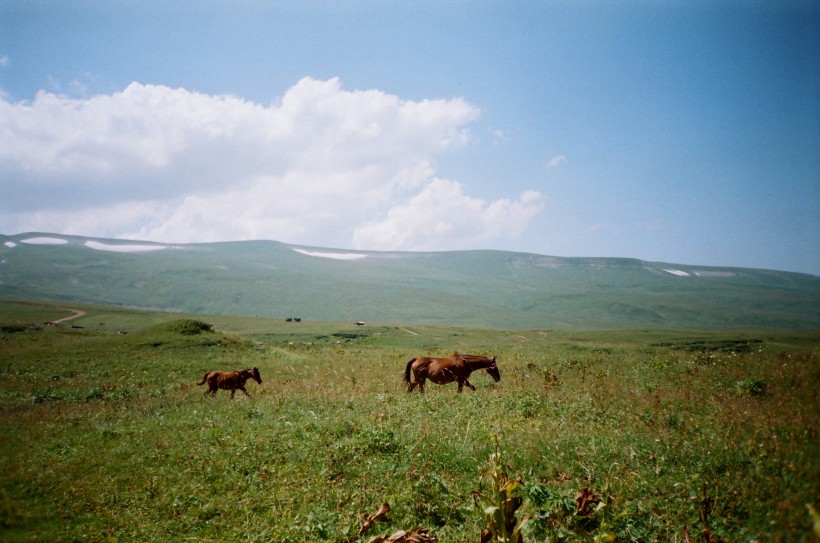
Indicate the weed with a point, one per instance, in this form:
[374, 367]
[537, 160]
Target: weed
[750, 387]
[499, 502]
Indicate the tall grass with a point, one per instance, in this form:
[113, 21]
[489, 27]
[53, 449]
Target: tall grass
[106, 437]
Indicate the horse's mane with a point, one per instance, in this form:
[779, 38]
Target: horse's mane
[473, 356]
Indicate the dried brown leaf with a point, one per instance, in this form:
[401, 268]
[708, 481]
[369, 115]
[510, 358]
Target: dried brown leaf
[416, 535]
[585, 502]
[380, 516]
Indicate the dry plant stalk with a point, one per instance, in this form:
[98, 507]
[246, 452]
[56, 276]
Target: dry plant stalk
[416, 535]
[380, 516]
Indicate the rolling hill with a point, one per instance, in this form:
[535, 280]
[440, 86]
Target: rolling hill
[495, 289]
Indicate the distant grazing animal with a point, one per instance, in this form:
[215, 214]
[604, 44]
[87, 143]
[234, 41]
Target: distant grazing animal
[441, 371]
[229, 380]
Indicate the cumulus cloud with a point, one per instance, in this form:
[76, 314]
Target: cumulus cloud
[441, 212]
[321, 165]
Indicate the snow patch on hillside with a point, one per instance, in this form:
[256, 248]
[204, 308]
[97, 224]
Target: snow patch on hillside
[715, 274]
[124, 248]
[679, 273]
[10, 244]
[44, 241]
[337, 256]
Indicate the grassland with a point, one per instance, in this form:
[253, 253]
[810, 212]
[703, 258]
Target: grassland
[104, 435]
[489, 289]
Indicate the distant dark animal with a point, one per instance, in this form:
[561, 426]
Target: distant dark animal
[441, 371]
[229, 380]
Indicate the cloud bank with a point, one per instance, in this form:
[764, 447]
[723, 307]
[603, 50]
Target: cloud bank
[320, 166]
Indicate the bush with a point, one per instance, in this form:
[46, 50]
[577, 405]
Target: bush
[190, 327]
[750, 387]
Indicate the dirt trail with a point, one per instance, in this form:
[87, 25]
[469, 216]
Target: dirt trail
[77, 314]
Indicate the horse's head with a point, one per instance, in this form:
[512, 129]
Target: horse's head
[256, 376]
[493, 371]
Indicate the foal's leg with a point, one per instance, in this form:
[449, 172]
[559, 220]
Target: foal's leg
[242, 388]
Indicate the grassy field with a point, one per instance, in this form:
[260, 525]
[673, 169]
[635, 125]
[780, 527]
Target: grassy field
[488, 289]
[105, 436]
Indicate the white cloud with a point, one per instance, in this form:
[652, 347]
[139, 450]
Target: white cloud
[4, 61]
[556, 161]
[320, 166]
[441, 216]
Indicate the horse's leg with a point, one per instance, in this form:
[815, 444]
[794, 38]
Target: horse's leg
[469, 384]
[245, 391]
[460, 385]
[418, 383]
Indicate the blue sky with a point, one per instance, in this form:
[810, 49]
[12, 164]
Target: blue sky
[685, 132]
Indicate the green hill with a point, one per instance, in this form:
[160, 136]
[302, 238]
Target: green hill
[494, 289]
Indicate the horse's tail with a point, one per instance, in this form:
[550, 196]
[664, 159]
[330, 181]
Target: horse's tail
[407, 370]
[204, 378]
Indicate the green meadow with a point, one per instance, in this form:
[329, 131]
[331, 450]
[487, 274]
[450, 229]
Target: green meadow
[485, 289]
[632, 435]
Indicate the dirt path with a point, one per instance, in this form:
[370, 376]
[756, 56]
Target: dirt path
[77, 314]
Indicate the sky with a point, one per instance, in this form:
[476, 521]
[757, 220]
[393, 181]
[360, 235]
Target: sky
[672, 131]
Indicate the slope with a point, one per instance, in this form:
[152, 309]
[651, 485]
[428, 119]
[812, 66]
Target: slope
[495, 289]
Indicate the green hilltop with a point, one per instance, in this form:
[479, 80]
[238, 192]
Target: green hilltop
[492, 289]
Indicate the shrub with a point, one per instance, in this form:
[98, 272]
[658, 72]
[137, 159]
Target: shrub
[750, 387]
[190, 327]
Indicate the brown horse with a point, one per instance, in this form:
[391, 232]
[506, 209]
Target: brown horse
[441, 371]
[230, 380]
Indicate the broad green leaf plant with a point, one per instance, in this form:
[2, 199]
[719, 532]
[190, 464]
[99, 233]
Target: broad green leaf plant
[496, 499]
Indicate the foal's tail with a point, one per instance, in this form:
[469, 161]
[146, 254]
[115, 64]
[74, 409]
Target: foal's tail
[407, 370]
[204, 378]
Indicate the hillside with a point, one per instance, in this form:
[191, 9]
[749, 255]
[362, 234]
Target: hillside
[495, 289]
